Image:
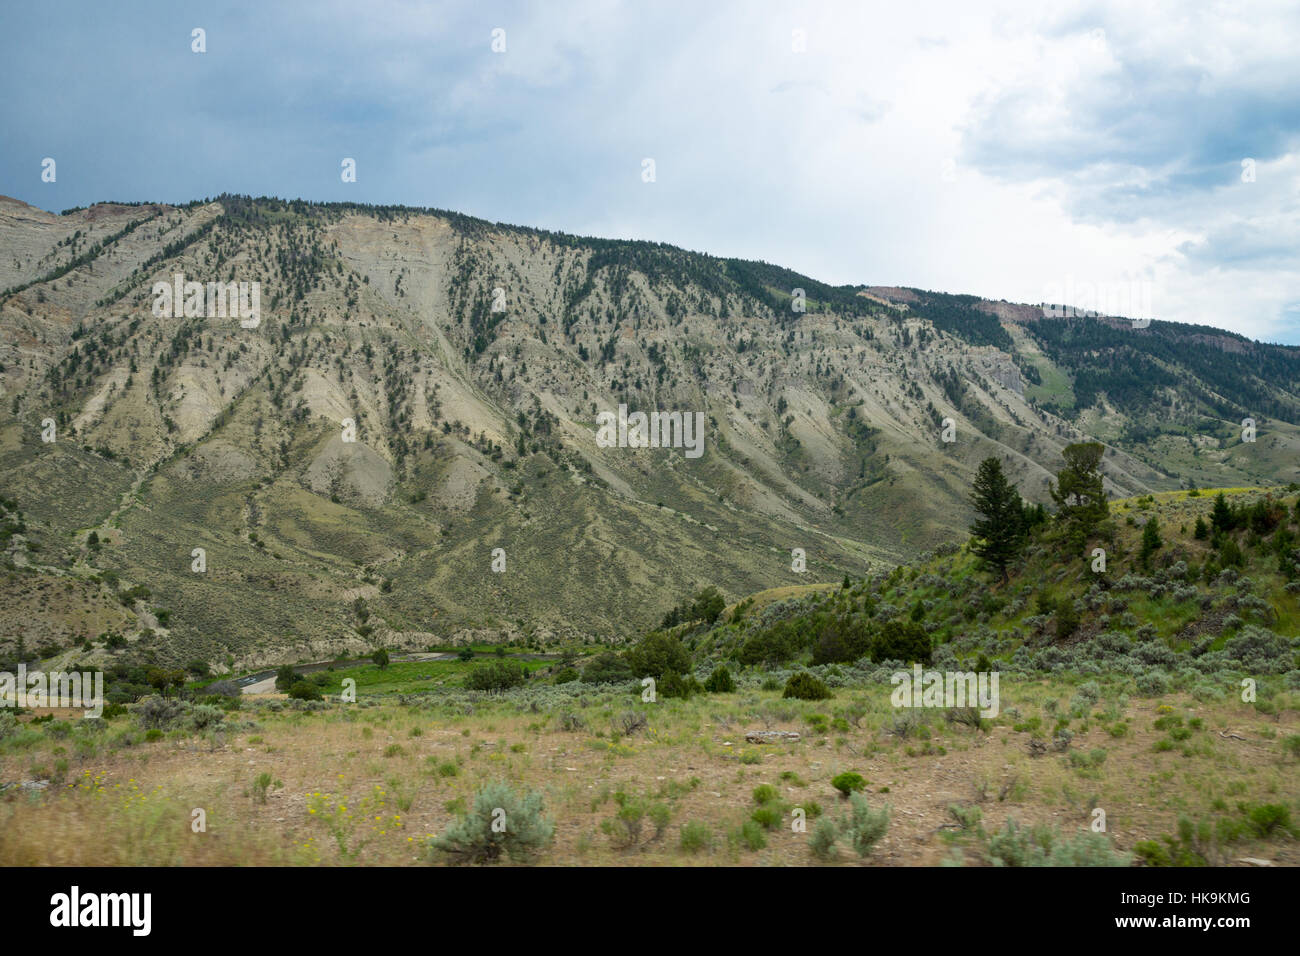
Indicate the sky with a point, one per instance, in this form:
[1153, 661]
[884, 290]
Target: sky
[1143, 159]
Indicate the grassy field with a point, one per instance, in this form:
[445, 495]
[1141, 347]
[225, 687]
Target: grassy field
[372, 783]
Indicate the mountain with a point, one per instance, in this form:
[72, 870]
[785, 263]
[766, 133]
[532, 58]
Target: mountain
[472, 363]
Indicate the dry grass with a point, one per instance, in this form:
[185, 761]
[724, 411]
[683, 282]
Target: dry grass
[370, 786]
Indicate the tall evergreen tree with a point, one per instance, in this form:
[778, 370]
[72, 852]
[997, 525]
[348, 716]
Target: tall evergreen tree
[1222, 517]
[998, 534]
[1079, 492]
[1150, 541]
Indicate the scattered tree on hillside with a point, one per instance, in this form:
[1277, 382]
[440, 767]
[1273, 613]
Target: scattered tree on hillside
[1079, 492]
[998, 534]
[1150, 541]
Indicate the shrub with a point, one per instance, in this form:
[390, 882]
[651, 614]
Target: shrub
[673, 684]
[566, 675]
[285, 678]
[1086, 849]
[1267, 817]
[380, 659]
[223, 688]
[751, 834]
[765, 793]
[630, 721]
[804, 686]
[1152, 684]
[1044, 846]
[159, 713]
[768, 817]
[304, 690]
[720, 682]
[822, 841]
[659, 654]
[849, 783]
[696, 837]
[497, 675]
[204, 716]
[843, 639]
[606, 667]
[864, 827]
[904, 641]
[501, 821]
[261, 783]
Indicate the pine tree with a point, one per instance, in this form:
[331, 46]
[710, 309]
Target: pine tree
[1080, 493]
[1222, 517]
[998, 535]
[1150, 541]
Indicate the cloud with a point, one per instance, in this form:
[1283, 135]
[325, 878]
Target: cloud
[995, 151]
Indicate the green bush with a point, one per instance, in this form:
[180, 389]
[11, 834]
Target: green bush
[658, 654]
[673, 684]
[285, 678]
[904, 641]
[804, 686]
[696, 837]
[501, 821]
[768, 817]
[765, 793]
[497, 675]
[751, 834]
[606, 667]
[843, 639]
[304, 690]
[720, 682]
[849, 783]
[1267, 817]
[566, 675]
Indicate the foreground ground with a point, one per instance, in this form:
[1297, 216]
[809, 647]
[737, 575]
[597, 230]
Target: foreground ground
[370, 783]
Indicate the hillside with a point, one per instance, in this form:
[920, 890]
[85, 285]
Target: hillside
[1145, 716]
[472, 360]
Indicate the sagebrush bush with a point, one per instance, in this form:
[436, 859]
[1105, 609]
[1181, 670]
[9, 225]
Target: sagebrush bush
[822, 841]
[1152, 684]
[203, 716]
[501, 821]
[864, 827]
[159, 713]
